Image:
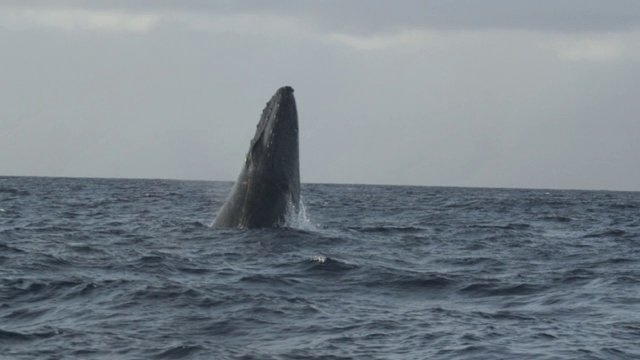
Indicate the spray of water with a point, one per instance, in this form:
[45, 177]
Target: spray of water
[298, 218]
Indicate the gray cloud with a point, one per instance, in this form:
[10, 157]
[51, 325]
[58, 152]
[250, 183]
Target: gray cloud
[381, 16]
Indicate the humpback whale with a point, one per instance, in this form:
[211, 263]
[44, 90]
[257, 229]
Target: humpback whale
[268, 187]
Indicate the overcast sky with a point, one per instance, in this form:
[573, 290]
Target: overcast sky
[492, 93]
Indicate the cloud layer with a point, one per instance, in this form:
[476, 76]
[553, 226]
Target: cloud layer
[380, 16]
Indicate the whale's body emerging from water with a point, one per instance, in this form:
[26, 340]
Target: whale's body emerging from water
[268, 187]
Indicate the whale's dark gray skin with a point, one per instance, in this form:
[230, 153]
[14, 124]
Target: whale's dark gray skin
[268, 187]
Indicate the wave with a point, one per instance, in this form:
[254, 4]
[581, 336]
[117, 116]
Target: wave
[177, 352]
[275, 280]
[325, 265]
[510, 226]
[556, 218]
[30, 290]
[6, 335]
[505, 315]
[488, 289]
[388, 229]
[408, 281]
[606, 234]
[8, 249]
[14, 192]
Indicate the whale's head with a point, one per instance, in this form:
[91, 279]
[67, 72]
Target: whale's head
[274, 152]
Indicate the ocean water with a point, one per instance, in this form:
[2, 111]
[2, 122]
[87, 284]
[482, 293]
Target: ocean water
[131, 269]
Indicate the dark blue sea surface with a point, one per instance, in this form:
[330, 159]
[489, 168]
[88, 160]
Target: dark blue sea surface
[131, 269]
